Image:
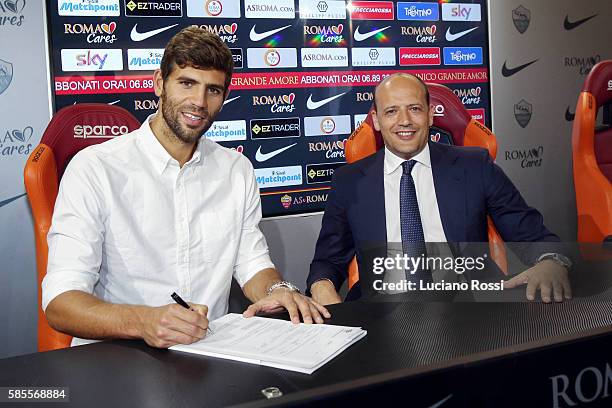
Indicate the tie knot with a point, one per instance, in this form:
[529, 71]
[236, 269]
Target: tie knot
[408, 165]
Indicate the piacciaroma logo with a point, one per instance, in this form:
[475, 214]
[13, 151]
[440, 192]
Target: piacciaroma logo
[528, 158]
[97, 8]
[95, 33]
[11, 13]
[16, 142]
[277, 103]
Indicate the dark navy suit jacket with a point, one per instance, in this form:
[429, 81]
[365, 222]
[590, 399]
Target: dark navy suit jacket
[468, 185]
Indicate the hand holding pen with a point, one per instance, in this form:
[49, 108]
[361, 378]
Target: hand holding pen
[181, 302]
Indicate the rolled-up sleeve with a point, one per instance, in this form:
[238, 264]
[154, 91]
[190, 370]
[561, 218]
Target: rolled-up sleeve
[253, 255]
[77, 230]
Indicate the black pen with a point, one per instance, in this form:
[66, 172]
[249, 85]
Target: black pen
[181, 302]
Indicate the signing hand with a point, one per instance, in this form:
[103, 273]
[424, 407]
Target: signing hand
[168, 325]
[295, 303]
[546, 275]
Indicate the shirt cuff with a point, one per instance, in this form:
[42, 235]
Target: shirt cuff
[244, 272]
[56, 283]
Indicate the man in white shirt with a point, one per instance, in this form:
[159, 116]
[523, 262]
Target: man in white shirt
[161, 210]
[414, 191]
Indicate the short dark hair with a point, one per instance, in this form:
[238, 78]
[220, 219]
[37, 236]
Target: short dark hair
[405, 75]
[200, 49]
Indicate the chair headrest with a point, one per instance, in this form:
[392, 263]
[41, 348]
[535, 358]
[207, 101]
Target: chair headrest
[599, 82]
[75, 127]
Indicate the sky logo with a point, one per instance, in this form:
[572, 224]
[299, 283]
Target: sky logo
[463, 55]
[418, 11]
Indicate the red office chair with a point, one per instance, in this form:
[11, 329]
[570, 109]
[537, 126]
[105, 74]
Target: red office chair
[592, 156]
[71, 129]
[464, 131]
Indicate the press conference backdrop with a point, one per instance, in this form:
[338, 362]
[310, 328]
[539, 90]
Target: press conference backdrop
[305, 70]
[535, 152]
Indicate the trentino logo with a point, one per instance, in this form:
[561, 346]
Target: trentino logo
[98, 8]
[463, 55]
[213, 8]
[417, 11]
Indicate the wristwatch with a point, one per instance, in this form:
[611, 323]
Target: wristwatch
[283, 284]
[558, 258]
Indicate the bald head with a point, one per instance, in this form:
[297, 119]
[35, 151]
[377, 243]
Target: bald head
[389, 83]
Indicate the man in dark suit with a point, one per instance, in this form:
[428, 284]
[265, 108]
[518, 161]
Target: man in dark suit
[414, 191]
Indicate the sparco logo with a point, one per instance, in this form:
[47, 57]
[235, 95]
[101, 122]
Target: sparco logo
[590, 384]
[325, 34]
[522, 112]
[528, 157]
[99, 131]
[226, 32]
[333, 150]
[96, 33]
[584, 64]
[146, 104]
[16, 141]
[277, 103]
[470, 96]
[11, 12]
[521, 17]
[426, 34]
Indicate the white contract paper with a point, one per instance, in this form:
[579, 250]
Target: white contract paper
[274, 343]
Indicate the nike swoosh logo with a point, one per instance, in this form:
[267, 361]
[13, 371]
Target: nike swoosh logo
[452, 37]
[262, 157]
[10, 200]
[508, 72]
[114, 102]
[255, 36]
[360, 37]
[136, 36]
[569, 25]
[231, 99]
[569, 116]
[312, 105]
[442, 401]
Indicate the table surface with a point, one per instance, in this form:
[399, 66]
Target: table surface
[403, 339]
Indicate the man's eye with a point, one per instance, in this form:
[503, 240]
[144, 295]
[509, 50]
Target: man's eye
[187, 84]
[415, 108]
[215, 91]
[390, 112]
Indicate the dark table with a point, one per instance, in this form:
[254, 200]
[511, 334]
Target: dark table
[415, 354]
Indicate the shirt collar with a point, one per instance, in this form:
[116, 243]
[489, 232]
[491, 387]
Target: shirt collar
[159, 156]
[392, 161]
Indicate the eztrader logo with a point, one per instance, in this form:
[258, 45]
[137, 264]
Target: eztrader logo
[99, 131]
[275, 128]
[153, 8]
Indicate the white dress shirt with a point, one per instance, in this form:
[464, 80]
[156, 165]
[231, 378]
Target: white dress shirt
[426, 196]
[131, 226]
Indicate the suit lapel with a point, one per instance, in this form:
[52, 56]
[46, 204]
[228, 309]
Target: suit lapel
[449, 183]
[371, 190]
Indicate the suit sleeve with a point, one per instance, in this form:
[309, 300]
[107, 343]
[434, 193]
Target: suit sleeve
[335, 246]
[513, 218]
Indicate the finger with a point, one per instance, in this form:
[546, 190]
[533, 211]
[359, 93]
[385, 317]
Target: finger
[531, 290]
[567, 288]
[304, 308]
[518, 280]
[186, 328]
[164, 337]
[545, 291]
[201, 309]
[292, 308]
[322, 309]
[316, 315]
[191, 317]
[251, 310]
[557, 290]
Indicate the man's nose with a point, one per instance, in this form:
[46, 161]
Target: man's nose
[198, 98]
[404, 117]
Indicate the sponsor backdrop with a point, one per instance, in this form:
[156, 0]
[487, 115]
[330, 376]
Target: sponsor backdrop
[24, 114]
[541, 52]
[304, 71]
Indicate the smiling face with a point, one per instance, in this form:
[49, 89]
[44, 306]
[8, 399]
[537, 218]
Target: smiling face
[190, 99]
[403, 115]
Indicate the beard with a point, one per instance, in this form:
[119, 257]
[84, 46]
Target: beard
[171, 113]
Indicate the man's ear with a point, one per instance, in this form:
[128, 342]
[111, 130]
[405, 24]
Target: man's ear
[375, 120]
[158, 83]
[431, 114]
